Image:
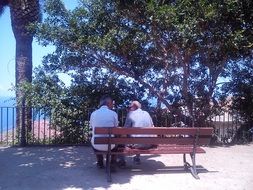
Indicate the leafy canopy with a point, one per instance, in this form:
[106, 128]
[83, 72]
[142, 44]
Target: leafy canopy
[170, 51]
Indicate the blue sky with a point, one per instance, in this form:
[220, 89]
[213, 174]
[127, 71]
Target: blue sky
[7, 52]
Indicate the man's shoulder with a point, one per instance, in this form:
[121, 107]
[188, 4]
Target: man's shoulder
[104, 110]
[144, 112]
[113, 112]
[95, 111]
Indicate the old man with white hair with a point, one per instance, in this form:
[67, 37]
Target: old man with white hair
[138, 118]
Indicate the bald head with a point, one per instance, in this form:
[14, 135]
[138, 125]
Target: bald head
[135, 105]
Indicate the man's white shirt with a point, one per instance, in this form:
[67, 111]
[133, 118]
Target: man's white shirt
[102, 117]
[139, 118]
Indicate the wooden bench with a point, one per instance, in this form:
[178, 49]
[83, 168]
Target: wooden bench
[169, 140]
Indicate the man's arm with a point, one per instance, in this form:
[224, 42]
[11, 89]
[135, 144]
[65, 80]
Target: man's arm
[91, 125]
[150, 120]
[116, 120]
[91, 120]
[128, 121]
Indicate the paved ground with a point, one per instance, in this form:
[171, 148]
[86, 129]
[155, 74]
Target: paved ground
[73, 168]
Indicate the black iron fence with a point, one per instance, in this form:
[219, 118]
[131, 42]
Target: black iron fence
[65, 126]
[8, 133]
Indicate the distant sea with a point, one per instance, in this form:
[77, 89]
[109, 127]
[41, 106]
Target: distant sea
[7, 101]
[7, 113]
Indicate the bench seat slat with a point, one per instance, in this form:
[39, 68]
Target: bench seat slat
[155, 130]
[161, 149]
[150, 140]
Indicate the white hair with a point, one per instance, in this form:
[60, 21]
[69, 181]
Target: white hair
[136, 104]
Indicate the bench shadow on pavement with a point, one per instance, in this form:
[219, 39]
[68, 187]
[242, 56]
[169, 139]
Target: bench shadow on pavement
[150, 166]
[68, 167]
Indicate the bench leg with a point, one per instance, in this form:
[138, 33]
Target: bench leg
[192, 167]
[108, 168]
[186, 164]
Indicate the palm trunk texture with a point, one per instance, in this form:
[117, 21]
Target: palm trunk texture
[23, 13]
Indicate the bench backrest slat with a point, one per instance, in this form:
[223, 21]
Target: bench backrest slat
[162, 135]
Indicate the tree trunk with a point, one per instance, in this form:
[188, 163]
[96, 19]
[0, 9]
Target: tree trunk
[23, 74]
[23, 13]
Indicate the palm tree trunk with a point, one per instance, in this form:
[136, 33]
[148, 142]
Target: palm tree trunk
[23, 74]
[23, 13]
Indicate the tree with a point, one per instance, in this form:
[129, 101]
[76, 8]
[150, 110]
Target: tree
[237, 95]
[3, 4]
[68, 108]
[240, 89]
[23, 13]
[176, 51]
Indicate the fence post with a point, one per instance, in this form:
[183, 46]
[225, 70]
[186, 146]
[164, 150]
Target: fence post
[23, 128]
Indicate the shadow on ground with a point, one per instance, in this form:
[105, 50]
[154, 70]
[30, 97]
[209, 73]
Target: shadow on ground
[68, 168]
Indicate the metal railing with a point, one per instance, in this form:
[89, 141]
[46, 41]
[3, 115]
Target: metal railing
[50, 126]
[7, 126]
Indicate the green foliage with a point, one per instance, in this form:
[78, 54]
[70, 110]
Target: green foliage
[172, 52]
[3, 4]
[240, 88]
[68, 108]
